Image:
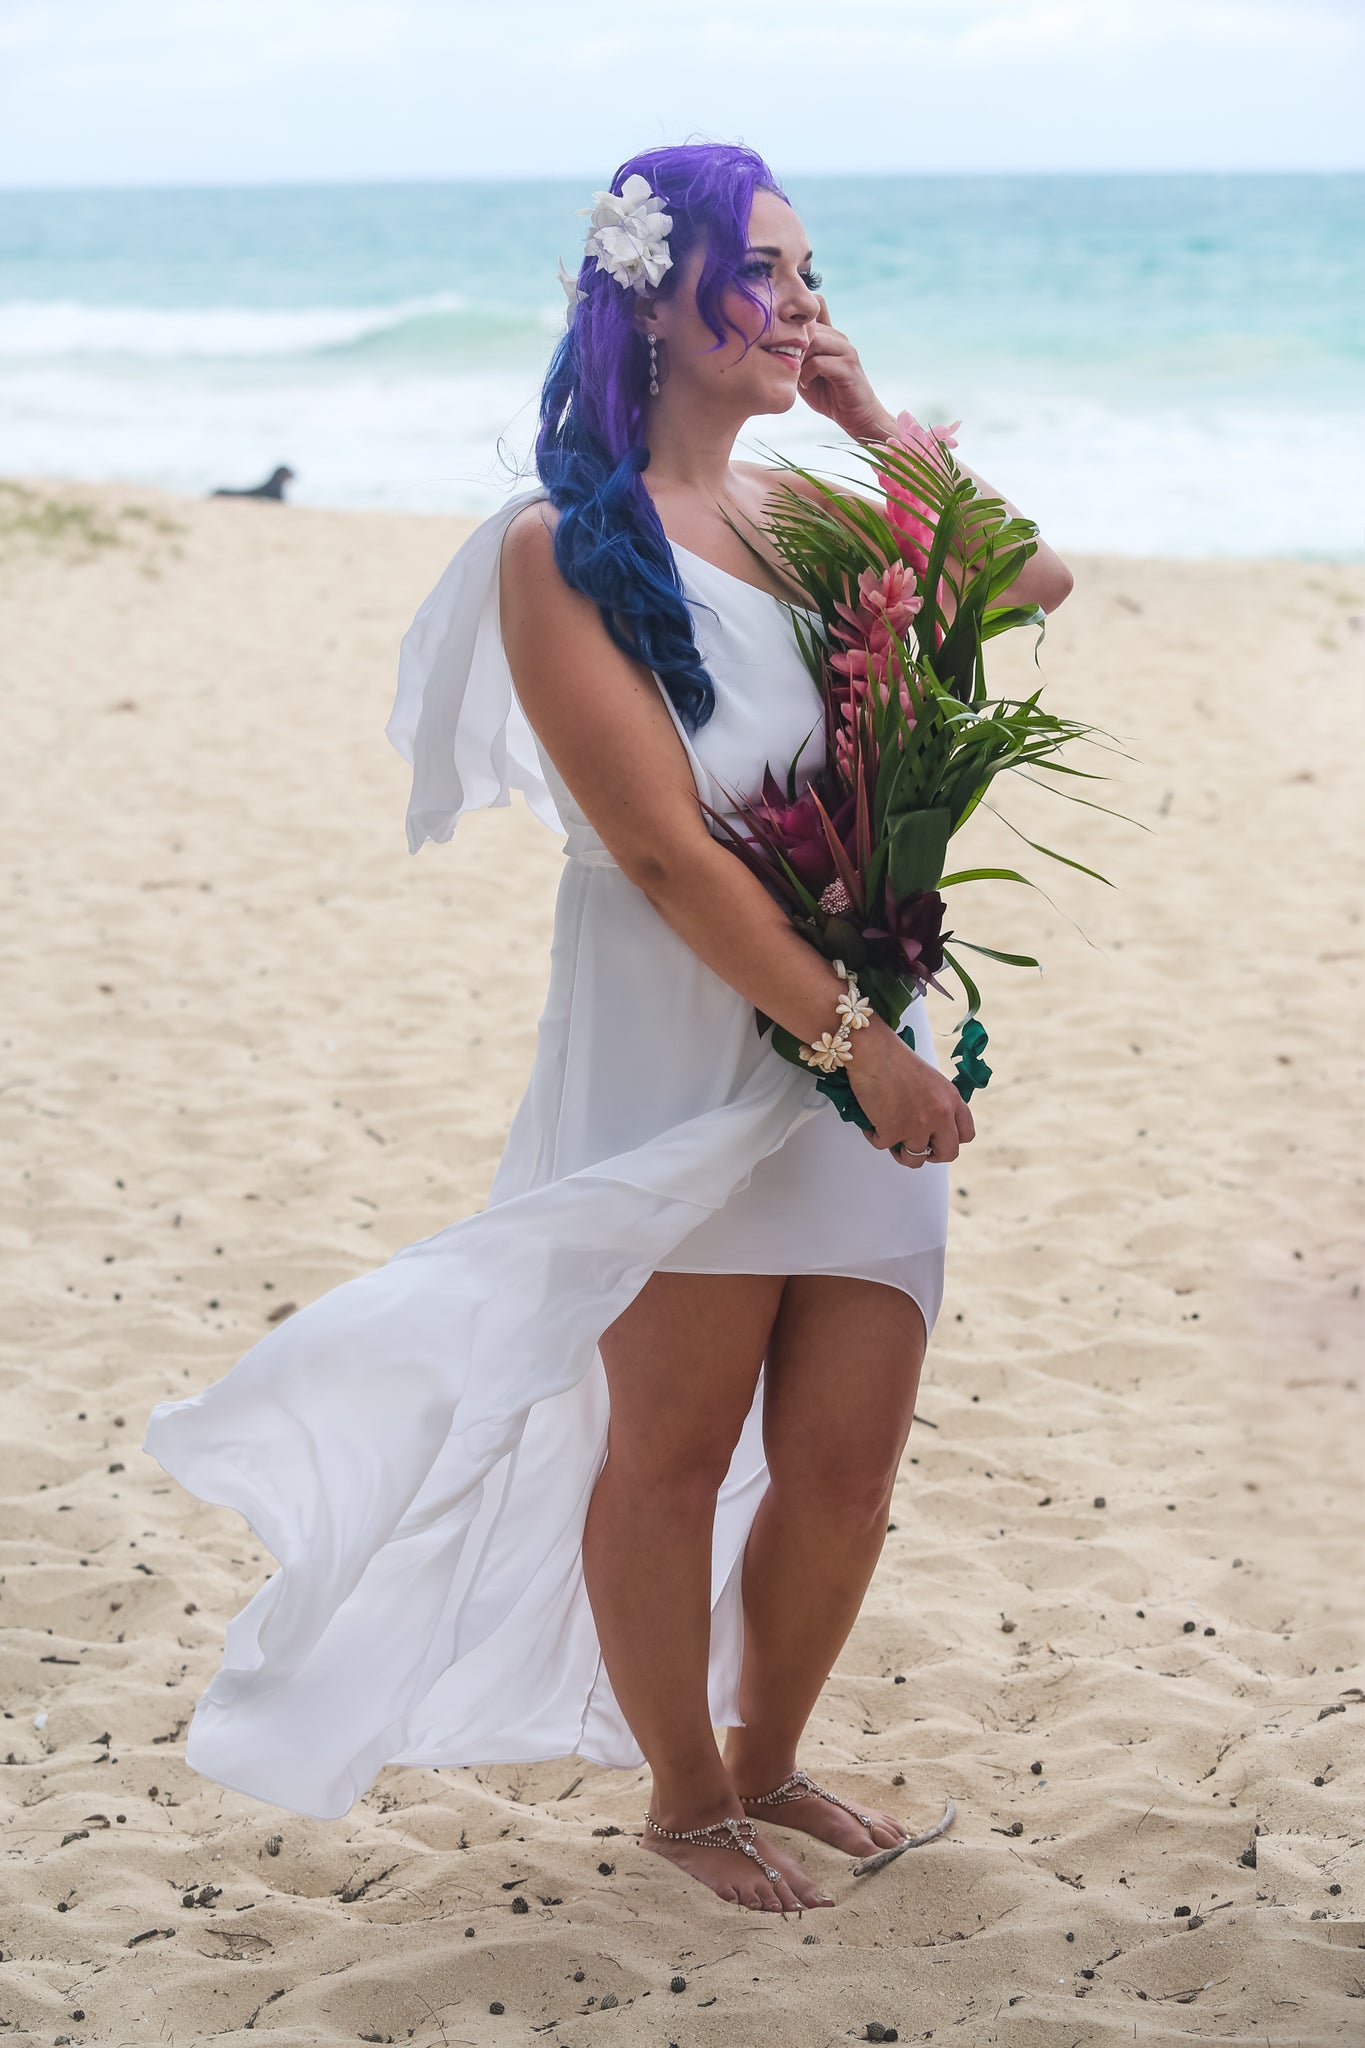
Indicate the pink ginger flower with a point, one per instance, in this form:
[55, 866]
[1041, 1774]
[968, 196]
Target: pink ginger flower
[887, 602]
[863, 666]
[908, 514]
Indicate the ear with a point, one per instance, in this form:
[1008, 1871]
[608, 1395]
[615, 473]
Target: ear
[645, 314]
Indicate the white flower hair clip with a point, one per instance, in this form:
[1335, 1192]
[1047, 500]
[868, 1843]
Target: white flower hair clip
[629, 238]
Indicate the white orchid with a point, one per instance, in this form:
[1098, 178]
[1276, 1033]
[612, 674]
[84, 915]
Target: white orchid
[629, 234]
[570, 284]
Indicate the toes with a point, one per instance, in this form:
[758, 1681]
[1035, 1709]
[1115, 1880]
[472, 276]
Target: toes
[787, 1898]
[886, 1834]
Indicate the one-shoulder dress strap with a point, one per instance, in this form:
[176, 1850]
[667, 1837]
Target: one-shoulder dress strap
[455, 717]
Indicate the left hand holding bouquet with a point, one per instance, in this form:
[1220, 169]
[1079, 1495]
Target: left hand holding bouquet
[911, 1109]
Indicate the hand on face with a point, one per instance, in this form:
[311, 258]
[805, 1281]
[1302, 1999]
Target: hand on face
[834, 382]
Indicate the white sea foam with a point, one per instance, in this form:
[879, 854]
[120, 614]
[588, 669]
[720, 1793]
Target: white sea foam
[1180, 480]
[51, 329]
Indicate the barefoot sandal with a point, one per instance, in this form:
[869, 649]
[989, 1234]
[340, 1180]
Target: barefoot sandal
[799, 1786]
[721, 1834]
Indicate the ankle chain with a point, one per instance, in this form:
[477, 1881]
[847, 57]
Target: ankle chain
[799, 1786]
[720, 1834]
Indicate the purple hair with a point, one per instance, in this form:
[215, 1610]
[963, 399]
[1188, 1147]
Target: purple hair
[591, 448]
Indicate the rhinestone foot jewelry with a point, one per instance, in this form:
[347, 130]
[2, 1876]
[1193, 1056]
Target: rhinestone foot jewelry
[799, 1786]
[721, 1834]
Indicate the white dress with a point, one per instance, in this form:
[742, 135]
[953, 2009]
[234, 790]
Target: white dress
[417, 1448]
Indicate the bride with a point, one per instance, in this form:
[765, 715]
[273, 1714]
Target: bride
[607, 1466]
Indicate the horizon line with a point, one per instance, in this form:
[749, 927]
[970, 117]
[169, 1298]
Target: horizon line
[575, 177]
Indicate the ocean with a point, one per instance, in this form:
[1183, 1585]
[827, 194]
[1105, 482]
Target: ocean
[1152, 365]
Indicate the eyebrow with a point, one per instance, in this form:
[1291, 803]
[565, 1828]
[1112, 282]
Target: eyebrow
[766, 249]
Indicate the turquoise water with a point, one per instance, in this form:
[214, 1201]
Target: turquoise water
[1150, 364]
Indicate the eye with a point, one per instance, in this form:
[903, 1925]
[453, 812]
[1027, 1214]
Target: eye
[761, 266]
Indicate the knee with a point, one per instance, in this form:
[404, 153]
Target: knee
[680, 1473]
[841, 1483]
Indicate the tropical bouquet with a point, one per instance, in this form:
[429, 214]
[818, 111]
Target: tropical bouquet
[905, 591]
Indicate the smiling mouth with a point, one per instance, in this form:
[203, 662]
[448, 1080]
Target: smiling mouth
[790, 352]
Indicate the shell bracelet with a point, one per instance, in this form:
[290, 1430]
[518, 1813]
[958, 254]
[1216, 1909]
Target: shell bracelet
[834, 1049]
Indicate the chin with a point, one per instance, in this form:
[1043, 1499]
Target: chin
[771, 402]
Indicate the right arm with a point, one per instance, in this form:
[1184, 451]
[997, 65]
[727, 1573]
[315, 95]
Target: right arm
[603, 723]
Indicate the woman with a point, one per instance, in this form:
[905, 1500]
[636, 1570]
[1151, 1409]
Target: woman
[608, 1465]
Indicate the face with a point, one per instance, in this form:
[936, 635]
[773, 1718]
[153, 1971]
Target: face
[763, 378]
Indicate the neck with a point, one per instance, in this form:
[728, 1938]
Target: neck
[690, 445]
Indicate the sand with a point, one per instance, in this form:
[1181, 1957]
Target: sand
[250, 1047]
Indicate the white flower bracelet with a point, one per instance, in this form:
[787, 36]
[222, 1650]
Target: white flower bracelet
[835, 1048]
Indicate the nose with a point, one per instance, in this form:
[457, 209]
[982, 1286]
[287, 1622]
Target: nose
[799, 302]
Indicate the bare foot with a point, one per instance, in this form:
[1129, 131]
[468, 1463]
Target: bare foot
[826, 1822]
[740, 1881]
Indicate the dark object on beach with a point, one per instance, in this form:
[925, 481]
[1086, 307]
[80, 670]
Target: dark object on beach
[273, 487]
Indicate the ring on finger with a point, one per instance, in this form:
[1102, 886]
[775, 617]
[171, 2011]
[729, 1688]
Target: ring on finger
[909, 1152]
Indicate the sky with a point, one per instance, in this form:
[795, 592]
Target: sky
[173, 92]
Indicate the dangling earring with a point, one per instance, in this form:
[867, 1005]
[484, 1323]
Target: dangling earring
[653, 367]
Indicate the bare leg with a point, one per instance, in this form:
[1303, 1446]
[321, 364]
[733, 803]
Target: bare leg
[843, 1369]
[682, 1363]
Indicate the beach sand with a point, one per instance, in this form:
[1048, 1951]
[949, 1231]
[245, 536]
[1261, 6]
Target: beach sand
[251, 1048]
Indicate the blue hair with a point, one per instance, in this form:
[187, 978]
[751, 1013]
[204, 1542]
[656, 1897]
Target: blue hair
[591, 450]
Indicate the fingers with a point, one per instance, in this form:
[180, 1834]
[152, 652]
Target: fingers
[950, 1127]
[945, 1141]
[953, 1128]
[822, 318]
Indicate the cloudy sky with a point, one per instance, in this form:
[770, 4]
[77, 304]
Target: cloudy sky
[248, 91]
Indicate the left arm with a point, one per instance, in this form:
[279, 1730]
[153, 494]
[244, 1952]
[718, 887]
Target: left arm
[834, 382]
[1044, 579]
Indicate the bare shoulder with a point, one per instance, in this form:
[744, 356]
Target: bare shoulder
[528, 550]
[537, 604]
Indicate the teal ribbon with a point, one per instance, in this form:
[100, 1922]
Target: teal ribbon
[972, 1071]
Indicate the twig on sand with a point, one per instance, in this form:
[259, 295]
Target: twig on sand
[879, 1862]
